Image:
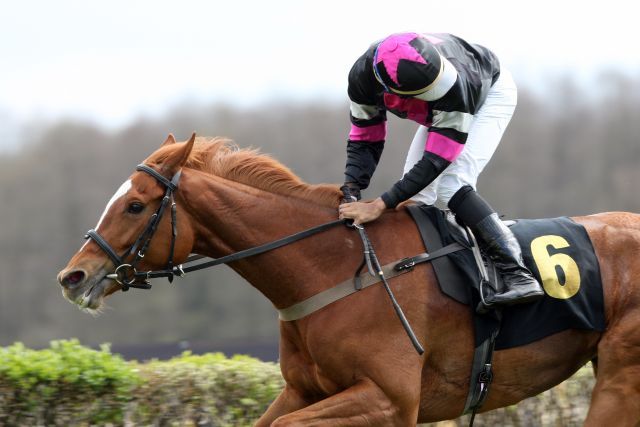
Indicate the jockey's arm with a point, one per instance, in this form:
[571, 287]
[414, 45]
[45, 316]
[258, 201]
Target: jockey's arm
[365, 144]
[445, 141]
[442, 147]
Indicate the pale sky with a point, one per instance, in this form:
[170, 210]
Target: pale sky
[111, 61]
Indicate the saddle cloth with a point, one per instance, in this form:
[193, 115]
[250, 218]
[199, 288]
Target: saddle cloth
[559, 253]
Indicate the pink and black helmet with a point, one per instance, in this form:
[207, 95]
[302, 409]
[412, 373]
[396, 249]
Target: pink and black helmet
[407, 64]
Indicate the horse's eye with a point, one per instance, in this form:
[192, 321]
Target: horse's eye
[135, 208]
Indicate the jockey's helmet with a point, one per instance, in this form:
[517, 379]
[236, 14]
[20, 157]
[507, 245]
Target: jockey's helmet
[407, 64]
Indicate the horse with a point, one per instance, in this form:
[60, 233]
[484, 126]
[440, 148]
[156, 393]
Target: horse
[351, 363]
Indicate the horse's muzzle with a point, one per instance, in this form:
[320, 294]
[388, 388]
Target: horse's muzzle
[71, 279]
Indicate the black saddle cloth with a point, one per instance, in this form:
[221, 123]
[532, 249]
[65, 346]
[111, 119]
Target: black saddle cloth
[558, 251]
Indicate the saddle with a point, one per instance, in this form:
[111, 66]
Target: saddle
[455, 272]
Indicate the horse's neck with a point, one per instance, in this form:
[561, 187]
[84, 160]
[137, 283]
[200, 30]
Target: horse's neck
[229, 217]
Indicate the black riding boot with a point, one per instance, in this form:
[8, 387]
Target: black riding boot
[501, 246]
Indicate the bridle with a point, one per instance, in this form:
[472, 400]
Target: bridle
[128, 277]
[125, 273]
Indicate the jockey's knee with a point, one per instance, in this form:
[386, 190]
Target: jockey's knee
[449, 186]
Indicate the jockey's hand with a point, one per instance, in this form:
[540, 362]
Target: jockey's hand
[362, 212]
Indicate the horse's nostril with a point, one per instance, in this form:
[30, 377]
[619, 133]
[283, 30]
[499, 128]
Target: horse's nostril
[72, 278]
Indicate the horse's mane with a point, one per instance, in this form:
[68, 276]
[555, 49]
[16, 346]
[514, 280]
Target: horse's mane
[222, 157]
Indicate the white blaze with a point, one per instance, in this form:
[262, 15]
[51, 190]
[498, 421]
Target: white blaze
[119, 193]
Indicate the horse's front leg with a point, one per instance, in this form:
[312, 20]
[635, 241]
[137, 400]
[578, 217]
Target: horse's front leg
[287, 401]
[364, 404]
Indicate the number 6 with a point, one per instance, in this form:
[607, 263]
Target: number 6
[547, 267]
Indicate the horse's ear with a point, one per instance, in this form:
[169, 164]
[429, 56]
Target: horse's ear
[179, 157]
[170, 140]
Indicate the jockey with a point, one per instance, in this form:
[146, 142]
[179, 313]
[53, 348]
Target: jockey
[463, 100]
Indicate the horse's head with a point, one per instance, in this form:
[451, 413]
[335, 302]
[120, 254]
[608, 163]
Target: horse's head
[127, 232]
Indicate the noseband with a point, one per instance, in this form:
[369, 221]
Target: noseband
[125, 273]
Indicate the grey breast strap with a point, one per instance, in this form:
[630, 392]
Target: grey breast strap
[363, 280]
[341, 290]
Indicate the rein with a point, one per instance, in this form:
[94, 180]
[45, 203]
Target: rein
[181, 270]
[127, 275]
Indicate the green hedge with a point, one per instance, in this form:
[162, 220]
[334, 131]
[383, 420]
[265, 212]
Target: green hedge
[64, 384]
[69, 384]
[209, 389]
[72, 385]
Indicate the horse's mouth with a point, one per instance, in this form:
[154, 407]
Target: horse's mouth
[90, 296]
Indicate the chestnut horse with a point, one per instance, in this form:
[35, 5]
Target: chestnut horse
[351, 363]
